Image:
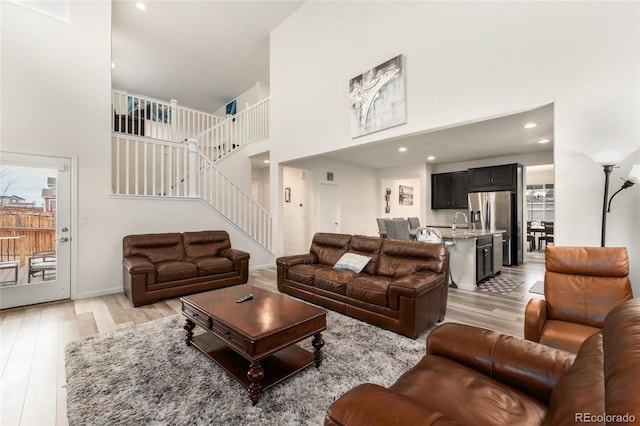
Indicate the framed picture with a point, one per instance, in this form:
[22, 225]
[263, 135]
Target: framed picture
[406, 195]
[378, 98]
[287, 195]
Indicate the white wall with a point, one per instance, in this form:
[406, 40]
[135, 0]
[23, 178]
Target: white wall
[56, 100]
[470, 60]
[255, 94]
[358, 188]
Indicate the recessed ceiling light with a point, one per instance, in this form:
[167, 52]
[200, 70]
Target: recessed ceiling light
[530, 125]
[402, 149]
[543, 141]
[266, 161]
[431, 158]
[141, 6]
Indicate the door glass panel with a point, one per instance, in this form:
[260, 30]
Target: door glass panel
[28, 225]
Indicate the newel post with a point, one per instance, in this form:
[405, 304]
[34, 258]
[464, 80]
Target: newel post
[193, 152]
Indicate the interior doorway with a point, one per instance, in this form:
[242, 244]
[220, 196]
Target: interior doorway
[35, 249]
[539, 210]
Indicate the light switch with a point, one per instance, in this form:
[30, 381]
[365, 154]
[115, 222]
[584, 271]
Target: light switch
[83, 219]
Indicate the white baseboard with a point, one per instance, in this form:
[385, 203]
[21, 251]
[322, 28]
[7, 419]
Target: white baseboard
[104, 292]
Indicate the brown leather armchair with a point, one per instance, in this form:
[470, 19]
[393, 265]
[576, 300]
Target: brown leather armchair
[581, 286]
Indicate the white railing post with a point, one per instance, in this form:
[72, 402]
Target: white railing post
[173, 119]
[193, 155]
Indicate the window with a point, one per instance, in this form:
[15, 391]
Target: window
[540, 202]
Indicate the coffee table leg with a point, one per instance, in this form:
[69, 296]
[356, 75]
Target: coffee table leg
[317, 343]
[189, 326]
[255, 376]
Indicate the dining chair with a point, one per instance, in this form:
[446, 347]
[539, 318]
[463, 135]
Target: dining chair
[397, 228]
[547, 235]
[382, 230]
[414, 224]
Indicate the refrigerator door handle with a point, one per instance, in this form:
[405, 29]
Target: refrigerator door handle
[487, 209]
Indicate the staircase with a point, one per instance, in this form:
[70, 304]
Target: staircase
[160, 149]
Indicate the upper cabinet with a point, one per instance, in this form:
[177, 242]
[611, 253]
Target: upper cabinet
[495, 178]
[449, 190]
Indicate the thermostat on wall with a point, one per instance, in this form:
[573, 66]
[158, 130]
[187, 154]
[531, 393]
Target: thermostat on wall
[329, 176]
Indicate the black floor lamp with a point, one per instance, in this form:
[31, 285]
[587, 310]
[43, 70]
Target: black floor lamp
[608, 160]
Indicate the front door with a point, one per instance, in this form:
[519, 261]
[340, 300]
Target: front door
[35, 229]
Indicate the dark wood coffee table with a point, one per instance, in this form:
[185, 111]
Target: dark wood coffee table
[254, 341]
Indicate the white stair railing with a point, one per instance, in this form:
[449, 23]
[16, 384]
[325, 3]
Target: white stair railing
[245, 127]
[154, 118]
[155, 168]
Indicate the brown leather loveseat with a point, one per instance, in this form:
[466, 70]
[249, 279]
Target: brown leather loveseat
[474, 376]
[157, 266]
[403, 287]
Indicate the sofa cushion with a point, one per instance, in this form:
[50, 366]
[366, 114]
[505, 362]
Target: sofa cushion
[213, 265]
[333, 280]
[305, 273]
[367, 246]
[565, 335]
[467, 395]
[328, 248]
[372, 289]
[352, 262]
[205, 243]
[176, 270]
[399, 258]
[155, 247]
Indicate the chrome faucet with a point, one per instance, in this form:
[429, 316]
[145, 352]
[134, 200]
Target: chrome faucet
[455, 218]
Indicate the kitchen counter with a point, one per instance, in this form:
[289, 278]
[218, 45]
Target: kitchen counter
[464, 233]
[461, 244]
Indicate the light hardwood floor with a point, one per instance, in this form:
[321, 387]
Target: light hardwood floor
[32, 339]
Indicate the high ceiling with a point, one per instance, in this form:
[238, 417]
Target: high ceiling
[202, 53]
[206, 53]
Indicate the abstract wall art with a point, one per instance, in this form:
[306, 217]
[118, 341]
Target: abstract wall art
[378, 98]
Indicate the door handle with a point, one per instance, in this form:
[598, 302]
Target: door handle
[63, 239]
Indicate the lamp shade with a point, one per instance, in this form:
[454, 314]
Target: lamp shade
[608, 157]
[634, 174]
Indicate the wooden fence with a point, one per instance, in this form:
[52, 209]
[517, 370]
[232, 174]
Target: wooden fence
[36, 229]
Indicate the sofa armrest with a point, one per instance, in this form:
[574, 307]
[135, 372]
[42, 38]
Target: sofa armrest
[535, 316]
[531, 367]
[297, 259]
[370, 404]
[138, 265]
[234, 255]
[414, 285]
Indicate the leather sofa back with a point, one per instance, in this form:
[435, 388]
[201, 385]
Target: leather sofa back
[329, 248]
[155, 247]
[367, 246]
[582, 284]
[605, 377]
[205, 243]
[399, 258]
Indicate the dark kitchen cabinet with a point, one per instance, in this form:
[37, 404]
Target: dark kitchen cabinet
[484, 258]
[495, 178]
[449, 190]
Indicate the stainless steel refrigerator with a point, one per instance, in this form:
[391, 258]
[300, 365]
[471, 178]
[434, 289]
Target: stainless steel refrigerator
[491, 211]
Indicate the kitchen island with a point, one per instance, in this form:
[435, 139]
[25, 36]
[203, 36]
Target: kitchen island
[472, 254]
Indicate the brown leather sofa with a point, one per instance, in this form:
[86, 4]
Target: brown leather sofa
[157, 266]
[403, 288]
[474, 376]
[581, 286]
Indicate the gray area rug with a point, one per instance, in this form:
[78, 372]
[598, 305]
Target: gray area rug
[499, 284]
[537, 287]
[147, 375]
